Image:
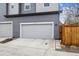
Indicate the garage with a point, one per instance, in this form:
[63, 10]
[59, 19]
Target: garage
[6, 29]
[37, 30]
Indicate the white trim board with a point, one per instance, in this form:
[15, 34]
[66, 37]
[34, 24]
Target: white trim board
[38, 23]
[6, 26]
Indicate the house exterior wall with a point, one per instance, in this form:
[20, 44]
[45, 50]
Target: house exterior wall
[2, 11]
[13, 8]
[41, 8]
[17, 20]
[32, 8]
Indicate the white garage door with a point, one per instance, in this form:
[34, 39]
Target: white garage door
[44, 30]
[5, 29]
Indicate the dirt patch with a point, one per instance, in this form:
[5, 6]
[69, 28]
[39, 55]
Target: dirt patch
[6, 40]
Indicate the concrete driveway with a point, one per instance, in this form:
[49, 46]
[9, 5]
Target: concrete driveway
[31, 47]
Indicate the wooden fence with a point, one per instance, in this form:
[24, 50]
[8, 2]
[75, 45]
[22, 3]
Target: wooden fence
[69, 35]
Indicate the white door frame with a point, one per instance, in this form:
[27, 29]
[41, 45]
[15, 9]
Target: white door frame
[52, 23]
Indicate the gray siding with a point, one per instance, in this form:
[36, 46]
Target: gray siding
[2, 11]
[18, 20]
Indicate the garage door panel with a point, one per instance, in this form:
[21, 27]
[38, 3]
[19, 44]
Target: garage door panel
[5, 29]
[36, 31]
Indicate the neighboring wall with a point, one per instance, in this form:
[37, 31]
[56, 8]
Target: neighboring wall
[18, 20]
